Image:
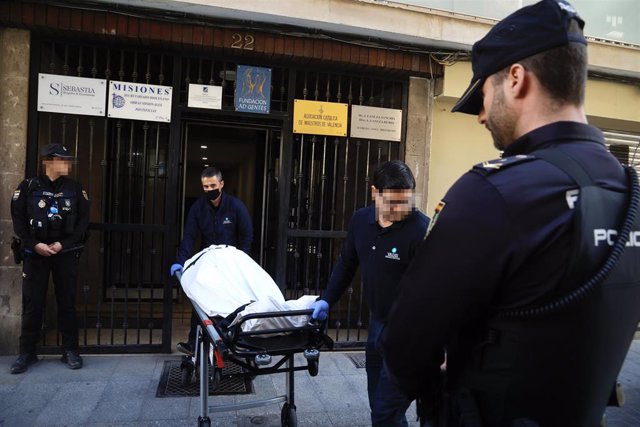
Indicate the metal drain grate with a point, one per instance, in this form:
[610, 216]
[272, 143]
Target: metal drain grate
[358, 359]
[171, 382]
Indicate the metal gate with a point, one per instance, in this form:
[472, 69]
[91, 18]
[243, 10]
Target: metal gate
[330, 179]
[122, 292]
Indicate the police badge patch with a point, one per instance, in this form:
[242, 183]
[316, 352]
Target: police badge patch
[41, 204]
[84, 193]
[16, 194]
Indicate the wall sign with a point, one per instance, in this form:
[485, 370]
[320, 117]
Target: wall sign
[138, 101]
[205, 96]
[376, 123]
[71, 95]
[320, 118]
[253, 89]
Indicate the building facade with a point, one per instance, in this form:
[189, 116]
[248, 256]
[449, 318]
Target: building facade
[300, 184]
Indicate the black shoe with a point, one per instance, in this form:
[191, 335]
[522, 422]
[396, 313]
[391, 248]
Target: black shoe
[72, 358]
[22, 363]
[185, 347]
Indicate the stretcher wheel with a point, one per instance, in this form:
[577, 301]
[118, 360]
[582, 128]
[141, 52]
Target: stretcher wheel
[313, 367]
[204, 422]
[186, 373]
[288, 417]
[217, 377]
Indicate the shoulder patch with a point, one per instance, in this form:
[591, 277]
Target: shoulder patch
[16, 194]
[499, 164]
[436, 213]
[84, 193]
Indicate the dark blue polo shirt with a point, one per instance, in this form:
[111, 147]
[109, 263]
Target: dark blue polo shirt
[382, 253]
[502, 240]
[229, 224]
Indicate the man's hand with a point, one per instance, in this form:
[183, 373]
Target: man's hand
[43, 249]
[320, 309]
[55, 247]
[175, 268]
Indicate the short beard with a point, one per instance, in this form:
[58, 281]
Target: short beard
[500, 121]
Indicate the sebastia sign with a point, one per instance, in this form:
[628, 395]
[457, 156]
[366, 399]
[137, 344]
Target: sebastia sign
[71, 95]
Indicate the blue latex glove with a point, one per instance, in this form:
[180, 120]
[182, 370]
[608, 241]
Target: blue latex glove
[320, 309]
[174, 268]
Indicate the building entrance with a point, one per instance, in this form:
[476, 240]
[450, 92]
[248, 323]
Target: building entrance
[247, 157]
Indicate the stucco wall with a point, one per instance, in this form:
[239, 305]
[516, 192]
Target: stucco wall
[14, 90]
[458, 141]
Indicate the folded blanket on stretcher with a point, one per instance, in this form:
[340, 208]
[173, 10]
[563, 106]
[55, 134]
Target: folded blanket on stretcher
[222, 278]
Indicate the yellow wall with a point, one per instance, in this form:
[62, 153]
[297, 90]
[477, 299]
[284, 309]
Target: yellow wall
[458, 142]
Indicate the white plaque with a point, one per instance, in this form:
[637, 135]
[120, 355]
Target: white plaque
[71, 95]
[376, 123]
[138, 101]
[205, 96]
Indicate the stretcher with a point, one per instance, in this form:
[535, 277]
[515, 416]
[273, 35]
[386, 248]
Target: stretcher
[258, 352]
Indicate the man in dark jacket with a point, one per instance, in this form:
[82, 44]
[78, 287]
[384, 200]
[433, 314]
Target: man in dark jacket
[382, 239]
[50, 216]
[217, 218]
[505, 279]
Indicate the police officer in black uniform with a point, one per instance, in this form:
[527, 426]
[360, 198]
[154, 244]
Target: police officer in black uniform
[382, 239]
[50, 216]
[517, 280]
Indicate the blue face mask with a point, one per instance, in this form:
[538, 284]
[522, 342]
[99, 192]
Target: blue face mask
[213, 194]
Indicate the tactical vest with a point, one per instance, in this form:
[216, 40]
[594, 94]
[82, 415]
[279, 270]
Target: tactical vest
[51, 215]
[557, 364]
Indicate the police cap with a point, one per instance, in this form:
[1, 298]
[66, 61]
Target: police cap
[526, 32]
[58, 151]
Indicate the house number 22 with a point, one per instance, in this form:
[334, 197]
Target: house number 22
[242, 41]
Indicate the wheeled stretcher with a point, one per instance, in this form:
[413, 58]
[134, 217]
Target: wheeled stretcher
[258, 352]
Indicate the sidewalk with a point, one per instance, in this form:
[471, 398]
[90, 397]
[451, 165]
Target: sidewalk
[120, 390]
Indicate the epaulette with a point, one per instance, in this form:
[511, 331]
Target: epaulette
[33, 184]
[499, 164]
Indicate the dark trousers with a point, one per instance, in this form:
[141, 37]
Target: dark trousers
[388, 404]
[36, 270]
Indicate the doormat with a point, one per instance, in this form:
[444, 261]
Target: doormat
[171, 383]
[358, 359]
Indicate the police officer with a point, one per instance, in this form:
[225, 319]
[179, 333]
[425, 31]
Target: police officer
[216, 218]
[506, 279]
[382, 239]
[50, 215]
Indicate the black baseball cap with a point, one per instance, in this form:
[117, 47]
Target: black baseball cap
[58, 151]
[526, 32]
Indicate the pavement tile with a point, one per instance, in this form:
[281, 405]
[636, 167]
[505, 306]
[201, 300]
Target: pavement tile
[73, 403]
[338, 394]
[118, 388]
[165, 408]
[349, 418]
[117, 410]
[24, 406]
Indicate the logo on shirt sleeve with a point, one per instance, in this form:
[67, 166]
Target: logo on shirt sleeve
[16, 194]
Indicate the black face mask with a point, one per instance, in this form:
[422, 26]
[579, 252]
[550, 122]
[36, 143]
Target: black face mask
[213, 194]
